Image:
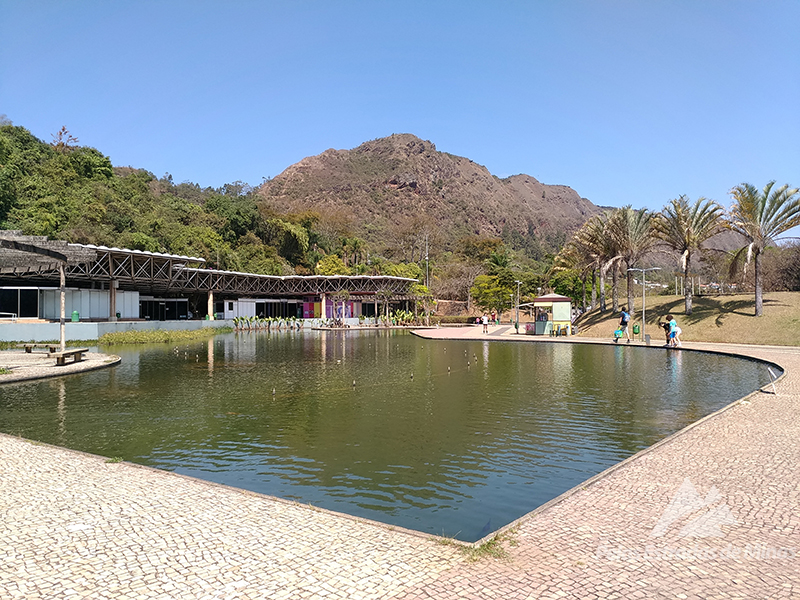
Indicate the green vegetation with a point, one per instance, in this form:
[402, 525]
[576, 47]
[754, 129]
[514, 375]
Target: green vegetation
[155, 336]
[761, 217]
[723, 319]
[352, 217]
[5, 371]
[73, 193]
[618, 241]
[114, 459]
[492, 548]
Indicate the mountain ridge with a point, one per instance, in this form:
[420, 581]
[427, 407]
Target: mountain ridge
[402, 180]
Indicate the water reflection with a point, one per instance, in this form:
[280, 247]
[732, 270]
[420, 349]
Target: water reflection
[448, 451]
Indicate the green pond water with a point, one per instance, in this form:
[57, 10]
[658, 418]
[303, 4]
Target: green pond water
[483, 432]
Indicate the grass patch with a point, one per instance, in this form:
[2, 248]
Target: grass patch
[493, 548]
[114, 459]
[722, 319]
[4, 371]
[156, 336]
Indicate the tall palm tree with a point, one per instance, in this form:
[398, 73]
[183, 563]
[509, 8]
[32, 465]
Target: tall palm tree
[761, 217]
[595, 241]
[571, 257]
[684, 228]
[632, 232]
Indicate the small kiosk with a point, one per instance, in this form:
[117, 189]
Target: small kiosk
[552, 315]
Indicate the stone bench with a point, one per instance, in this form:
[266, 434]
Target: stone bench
[75, 353]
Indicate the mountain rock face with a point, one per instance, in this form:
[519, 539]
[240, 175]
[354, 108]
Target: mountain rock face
[403, 181]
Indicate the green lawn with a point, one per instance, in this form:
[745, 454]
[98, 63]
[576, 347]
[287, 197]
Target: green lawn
[713, 319]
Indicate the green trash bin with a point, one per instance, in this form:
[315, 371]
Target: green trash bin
[636, 330]
[75, 316]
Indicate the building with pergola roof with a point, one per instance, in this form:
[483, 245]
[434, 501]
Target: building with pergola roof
[106, 284]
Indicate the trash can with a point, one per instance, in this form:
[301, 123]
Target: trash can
[75, 316]
[636, 329]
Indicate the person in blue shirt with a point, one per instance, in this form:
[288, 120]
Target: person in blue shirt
[673, 332]
[624, 319]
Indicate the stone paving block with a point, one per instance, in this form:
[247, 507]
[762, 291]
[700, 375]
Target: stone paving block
[74, 526]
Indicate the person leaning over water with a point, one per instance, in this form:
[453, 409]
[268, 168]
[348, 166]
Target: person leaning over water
[665, 326]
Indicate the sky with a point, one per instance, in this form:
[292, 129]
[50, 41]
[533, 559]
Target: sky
[627, 102]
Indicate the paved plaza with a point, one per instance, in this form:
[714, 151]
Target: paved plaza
[711, 512]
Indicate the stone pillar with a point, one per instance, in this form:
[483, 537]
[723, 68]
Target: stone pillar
[112, 295]
[210, 305]
[323, 300]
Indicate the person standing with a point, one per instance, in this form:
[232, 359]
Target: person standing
[485, 321]
[673, 331]
[494, 318]
[624, 319]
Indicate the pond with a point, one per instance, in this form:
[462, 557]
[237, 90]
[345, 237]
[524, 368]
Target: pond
[451, 438]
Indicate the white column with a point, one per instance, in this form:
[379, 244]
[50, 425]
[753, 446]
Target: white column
[62, 327]
[210, 305]
[324, 300]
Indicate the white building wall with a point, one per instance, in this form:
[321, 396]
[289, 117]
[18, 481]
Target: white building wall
[243, 307]
[90, 304]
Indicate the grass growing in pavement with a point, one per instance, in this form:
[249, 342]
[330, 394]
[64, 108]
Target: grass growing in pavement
[493, 548]
[154, 336]
[725, 319]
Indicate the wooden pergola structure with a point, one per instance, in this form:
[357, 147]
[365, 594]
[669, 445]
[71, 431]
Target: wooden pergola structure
[41, 261]
[22, 255]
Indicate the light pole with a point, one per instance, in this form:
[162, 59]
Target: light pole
[427, 282]
[516, 321]
[644, 289]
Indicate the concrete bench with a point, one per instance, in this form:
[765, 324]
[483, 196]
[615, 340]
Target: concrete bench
[29, 347]
[75, 353]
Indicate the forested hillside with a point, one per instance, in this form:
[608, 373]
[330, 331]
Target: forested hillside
[369, 210]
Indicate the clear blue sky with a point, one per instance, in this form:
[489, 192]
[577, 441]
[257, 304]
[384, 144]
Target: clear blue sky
[627, 102]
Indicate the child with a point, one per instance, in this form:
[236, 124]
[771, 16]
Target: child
[665, 326]
[673, 331]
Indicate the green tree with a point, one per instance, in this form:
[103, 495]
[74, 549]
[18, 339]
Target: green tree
[332, 265]
[570, 283]
[632, 232]
[291, 239]
[761, 217]
[684, 228]
[408, 270]
[571, 263]
[489, 294]
[595, 242]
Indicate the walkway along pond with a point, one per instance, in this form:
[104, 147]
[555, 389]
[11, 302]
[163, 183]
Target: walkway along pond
[454, 438]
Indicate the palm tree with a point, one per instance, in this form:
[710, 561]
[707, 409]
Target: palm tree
[684, 228]
[594, 240]
[573, 259]
[632, 232]
[761, 217]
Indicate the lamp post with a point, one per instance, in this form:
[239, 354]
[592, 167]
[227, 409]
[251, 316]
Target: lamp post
[644, 289]
[427, 281]
[516, 321]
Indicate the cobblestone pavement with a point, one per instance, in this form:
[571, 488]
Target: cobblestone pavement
[25, 366]
[74, 526]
